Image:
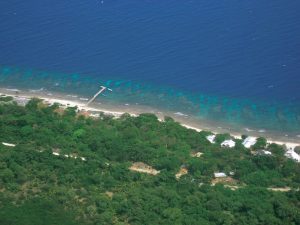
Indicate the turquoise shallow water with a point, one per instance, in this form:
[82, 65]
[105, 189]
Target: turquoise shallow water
[233, 62]
[240, 114]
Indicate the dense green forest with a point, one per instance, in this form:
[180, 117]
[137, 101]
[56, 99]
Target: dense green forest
[96, 186]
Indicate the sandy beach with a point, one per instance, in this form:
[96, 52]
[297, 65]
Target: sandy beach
[22, 96]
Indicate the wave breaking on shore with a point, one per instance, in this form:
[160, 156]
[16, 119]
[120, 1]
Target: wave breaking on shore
[71, 100]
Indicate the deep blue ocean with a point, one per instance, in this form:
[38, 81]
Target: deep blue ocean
[237, 62]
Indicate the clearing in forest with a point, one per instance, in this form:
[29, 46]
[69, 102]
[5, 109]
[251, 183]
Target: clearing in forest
[143, 168]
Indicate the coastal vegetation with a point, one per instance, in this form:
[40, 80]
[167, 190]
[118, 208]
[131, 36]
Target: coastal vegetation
[68, 168]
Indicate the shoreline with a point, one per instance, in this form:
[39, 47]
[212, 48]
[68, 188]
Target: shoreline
[69, 100]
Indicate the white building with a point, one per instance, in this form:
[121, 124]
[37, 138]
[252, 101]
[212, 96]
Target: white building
[211, 138]
[228, 143]
[292, 155]
[220, 175]
[249, 141]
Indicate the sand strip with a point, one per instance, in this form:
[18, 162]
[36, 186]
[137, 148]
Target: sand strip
[81, 105]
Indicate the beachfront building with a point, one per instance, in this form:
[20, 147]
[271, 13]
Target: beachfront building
[249, 141]
[220, 175]
[211, 138]
[228, 143]
[21, 100]
[292, 155]
[95, 115]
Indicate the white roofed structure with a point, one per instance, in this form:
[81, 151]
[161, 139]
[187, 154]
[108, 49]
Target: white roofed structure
[220, 174]
[292, 155]
[249, 141]
[211, 138]
[228, 143]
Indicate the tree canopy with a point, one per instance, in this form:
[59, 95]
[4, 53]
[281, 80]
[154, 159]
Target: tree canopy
[69, 169]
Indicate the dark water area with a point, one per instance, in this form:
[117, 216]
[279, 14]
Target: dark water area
[236, 62]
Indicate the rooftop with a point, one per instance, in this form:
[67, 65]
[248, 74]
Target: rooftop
[249, 141]
[211, 138]
[228, 143]
[219, 174]
[293, 155]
